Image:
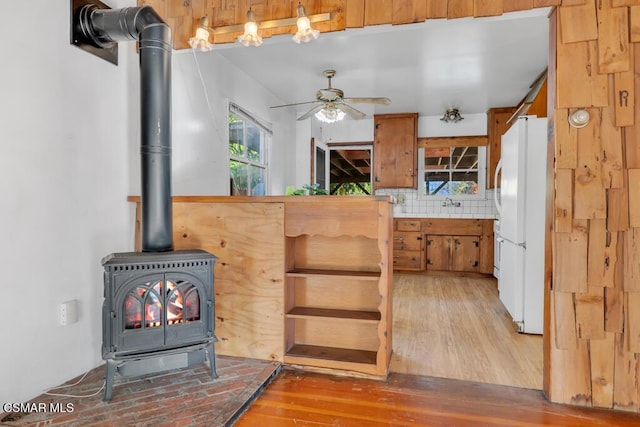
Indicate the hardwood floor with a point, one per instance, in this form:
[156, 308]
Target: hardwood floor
[456, 327]
[300, 398]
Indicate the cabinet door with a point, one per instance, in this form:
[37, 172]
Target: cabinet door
[496, 126]
[438, 252]
[394, 151]
[465, 253]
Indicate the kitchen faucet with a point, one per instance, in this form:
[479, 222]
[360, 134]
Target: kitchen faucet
[448, 202]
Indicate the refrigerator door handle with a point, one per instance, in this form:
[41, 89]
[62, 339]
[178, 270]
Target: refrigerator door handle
[495, 187]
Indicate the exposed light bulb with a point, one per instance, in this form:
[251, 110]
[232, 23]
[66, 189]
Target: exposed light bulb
[201, 39]
[250, 36]
[305, 32]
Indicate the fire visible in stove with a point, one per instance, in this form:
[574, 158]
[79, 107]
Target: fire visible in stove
[143, 305]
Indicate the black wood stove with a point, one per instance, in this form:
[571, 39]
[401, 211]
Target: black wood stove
[158, 312]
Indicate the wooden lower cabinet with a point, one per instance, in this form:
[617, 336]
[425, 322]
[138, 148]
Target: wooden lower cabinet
[443, 244]
[408, 245]
[453, 253]
[337, 281]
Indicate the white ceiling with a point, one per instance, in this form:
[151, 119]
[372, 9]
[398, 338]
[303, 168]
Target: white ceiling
[469, 64]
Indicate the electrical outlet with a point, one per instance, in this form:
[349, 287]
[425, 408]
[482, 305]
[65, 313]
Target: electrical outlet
[68, 312]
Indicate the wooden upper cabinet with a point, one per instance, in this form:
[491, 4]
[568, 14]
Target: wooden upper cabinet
[496, 127]
[394, 151]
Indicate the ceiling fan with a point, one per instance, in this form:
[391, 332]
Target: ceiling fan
[334, 104]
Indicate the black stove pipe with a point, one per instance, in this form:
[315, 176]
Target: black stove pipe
[106, 27]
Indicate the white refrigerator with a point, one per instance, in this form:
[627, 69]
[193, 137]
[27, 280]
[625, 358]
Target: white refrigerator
[521, 206]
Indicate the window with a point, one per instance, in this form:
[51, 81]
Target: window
[248, 144]
[452, 171]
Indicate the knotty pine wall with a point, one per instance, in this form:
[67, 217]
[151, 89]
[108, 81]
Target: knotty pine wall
[592, 310]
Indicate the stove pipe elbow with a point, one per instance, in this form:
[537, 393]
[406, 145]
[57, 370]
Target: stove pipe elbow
[106, 27]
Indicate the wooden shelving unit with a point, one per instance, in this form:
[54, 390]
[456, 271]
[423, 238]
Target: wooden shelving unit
[338, 284]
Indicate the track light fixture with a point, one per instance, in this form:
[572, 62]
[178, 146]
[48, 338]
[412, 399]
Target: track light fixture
[250, 37]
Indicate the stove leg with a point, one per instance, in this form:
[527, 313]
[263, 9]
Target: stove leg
[212, 360]
[108, 381]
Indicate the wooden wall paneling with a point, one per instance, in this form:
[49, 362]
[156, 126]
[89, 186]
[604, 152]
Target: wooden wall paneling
[634, 197]
[570, 259]
[574, 2]
[436, 9]
[634, 24]
[590, 313]
[576, 375]
[407, 12]
[596, 253]
[632, 133]
[564, 316]
[249, 272]
[160, 6]
[618, 208]
[487, 8]
[632, 321]
[459, 9]
[280, 10]
[589, 196]
[563, 212]
[336, 8]
[613, 315]
[566, 141]
[625, 392]
[623, 95]
[354, 13]
[378, 12]
[178, 8]
[631, 262]
[612, 269]
[602, 355]
[621, 3]
[578, 23]
[578, 83]
[198, 9]
[613, 38]
[546, 3]
[515, 5]
[611, 146]
[183, 28]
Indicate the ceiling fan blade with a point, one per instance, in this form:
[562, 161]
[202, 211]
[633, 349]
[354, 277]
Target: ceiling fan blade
[381, 100]
[311, 112]
[291, 105]
[350, 111]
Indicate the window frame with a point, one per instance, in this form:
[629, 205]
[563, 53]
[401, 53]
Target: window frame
[267, 141]
[482, 173]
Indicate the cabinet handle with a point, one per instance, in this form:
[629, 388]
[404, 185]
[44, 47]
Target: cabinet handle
[399, 238]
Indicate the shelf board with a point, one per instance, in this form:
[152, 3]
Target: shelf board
[309, 272]
[357, 315]
[345, 355]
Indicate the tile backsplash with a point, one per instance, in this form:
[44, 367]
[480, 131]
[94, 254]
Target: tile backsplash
[415, 207]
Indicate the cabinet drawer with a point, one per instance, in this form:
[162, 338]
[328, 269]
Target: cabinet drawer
[407, 241]
[406, 259]
[408, 225]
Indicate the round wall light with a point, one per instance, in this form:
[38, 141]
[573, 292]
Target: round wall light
[579, 118]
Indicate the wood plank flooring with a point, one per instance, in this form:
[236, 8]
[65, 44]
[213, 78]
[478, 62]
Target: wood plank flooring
[300, 398]
[456, 327]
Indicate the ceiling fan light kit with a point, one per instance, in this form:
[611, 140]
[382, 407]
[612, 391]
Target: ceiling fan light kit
[452, 115]
[332, 106]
